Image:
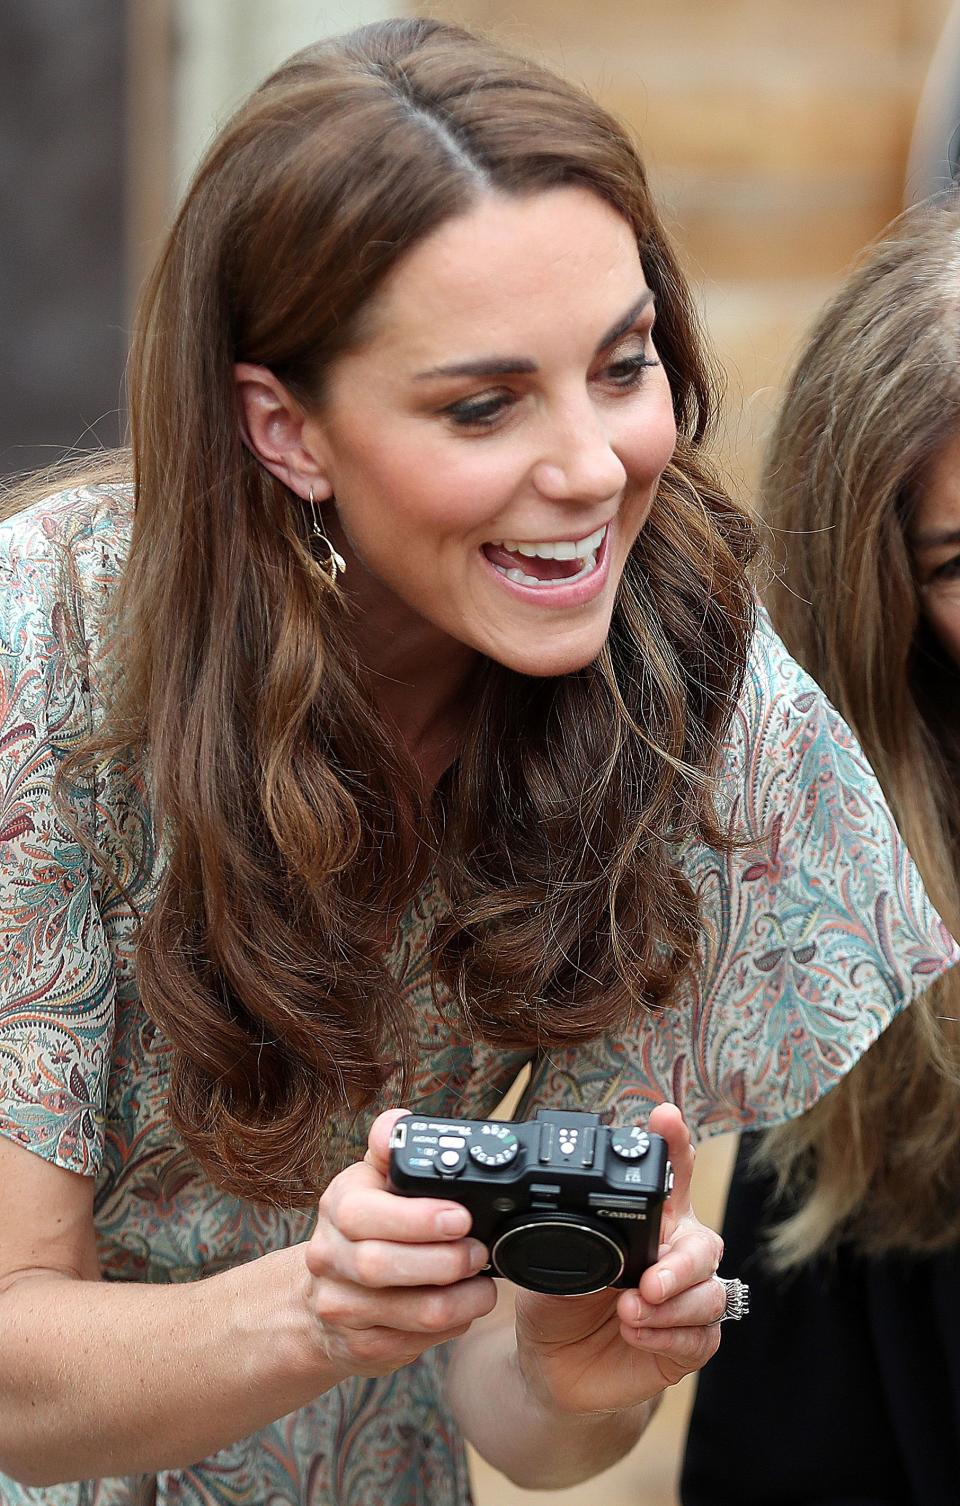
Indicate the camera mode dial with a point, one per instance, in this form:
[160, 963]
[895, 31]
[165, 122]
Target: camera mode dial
[496, 1145]
[630, 1144]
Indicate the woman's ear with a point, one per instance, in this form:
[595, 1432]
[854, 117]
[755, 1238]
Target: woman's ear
[273, 425]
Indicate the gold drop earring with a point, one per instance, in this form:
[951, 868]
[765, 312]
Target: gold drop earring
[336, 564]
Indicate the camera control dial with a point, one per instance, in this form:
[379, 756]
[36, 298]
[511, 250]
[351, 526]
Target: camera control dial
[630, 1144]
[494, 1146]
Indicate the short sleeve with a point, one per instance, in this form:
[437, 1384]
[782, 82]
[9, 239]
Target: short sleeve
[815, 932]
[56, 974]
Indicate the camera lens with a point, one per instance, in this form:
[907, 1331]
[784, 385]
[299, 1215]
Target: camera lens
[563, 1254]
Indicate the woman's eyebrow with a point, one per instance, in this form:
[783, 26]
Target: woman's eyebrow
[522, 365]
[627, 322]
[937, 539]
[492, 366]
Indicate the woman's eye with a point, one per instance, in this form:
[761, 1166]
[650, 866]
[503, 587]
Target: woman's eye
[478, 412]
[948, 571]
[629, 370]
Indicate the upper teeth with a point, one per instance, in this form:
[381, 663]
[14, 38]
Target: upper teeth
[560, 549]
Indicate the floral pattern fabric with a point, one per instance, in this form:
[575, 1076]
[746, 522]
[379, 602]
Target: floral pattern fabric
[814, 936]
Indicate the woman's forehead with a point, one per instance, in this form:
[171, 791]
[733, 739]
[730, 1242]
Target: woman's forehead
[511, 266]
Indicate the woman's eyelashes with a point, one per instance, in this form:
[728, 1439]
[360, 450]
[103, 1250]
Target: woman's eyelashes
[479, 412]
[628, 370]
[949, 570]
[624, 373]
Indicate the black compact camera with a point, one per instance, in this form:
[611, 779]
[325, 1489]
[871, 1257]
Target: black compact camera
[563, 1203]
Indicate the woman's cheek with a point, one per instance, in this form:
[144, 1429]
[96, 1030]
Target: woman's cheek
[668, 433]
[944, 618]
[651, 445]
[652, 460]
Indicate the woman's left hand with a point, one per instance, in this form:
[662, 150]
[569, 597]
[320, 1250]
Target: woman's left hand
[616, 1349]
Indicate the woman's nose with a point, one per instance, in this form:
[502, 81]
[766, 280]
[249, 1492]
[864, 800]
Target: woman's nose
[580, 464]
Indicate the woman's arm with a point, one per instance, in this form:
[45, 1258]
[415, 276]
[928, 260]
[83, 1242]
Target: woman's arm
[571, 1386]
[100, 1378]
[109, 1379]
[525, 1437]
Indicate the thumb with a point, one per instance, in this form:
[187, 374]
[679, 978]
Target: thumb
[378, 1141]
[667, 1120]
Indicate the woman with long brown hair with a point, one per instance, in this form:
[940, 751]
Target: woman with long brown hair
[856, 1267]
[399, 722]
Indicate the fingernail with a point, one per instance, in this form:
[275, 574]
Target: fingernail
[668, 1283]
[632, 1308]
[478, 1255]
[453, 1221]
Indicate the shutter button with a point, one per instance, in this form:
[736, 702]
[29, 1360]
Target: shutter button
[450, 1162]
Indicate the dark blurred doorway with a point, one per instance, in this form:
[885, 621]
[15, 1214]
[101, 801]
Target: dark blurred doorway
[63, 263]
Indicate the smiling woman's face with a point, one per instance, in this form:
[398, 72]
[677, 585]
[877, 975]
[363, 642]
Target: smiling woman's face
[935, 541]
[494, 447]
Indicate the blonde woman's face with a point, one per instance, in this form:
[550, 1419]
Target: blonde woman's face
[935, 541]
[494, 448]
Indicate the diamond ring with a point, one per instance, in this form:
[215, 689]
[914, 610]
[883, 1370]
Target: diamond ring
[737, 1304]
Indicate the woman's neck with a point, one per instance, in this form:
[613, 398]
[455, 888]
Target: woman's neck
[420, 680]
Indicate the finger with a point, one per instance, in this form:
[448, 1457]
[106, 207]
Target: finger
[424, 1309]
[378, 1139]
[380, 1264]
[701, 1305]
[678, 1351]
[357, 1204]
[694, 1256]
[667, 1120]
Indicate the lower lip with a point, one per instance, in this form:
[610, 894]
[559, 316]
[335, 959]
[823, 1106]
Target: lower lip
[577, 594]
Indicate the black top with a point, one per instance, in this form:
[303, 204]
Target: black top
[841, 1388]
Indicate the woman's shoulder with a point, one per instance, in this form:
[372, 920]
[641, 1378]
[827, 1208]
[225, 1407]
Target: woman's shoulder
[86, 527]
[774, 682]
[784, 734]
[61, 559]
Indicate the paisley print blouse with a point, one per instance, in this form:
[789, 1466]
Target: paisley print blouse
[813, 939]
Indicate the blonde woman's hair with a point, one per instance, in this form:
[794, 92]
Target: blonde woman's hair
[874, 396]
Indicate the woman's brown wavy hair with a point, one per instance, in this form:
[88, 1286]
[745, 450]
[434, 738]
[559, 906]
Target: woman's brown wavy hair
[872, 400]
[284, 800]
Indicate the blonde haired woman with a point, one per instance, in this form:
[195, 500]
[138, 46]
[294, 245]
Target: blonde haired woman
[862, 489]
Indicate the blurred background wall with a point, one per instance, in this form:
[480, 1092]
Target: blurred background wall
[777, 132]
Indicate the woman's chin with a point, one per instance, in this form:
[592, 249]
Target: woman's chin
[546, 660]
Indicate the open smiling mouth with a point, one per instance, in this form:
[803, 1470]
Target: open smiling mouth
[557, 563]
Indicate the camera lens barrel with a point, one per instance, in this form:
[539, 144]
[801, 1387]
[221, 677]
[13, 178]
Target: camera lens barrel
[564, 1254]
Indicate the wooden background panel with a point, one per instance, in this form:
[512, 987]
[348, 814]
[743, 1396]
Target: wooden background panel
[723, 27]
[776, 134]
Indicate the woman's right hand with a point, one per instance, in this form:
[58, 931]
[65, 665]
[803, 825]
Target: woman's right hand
[390, 1276]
